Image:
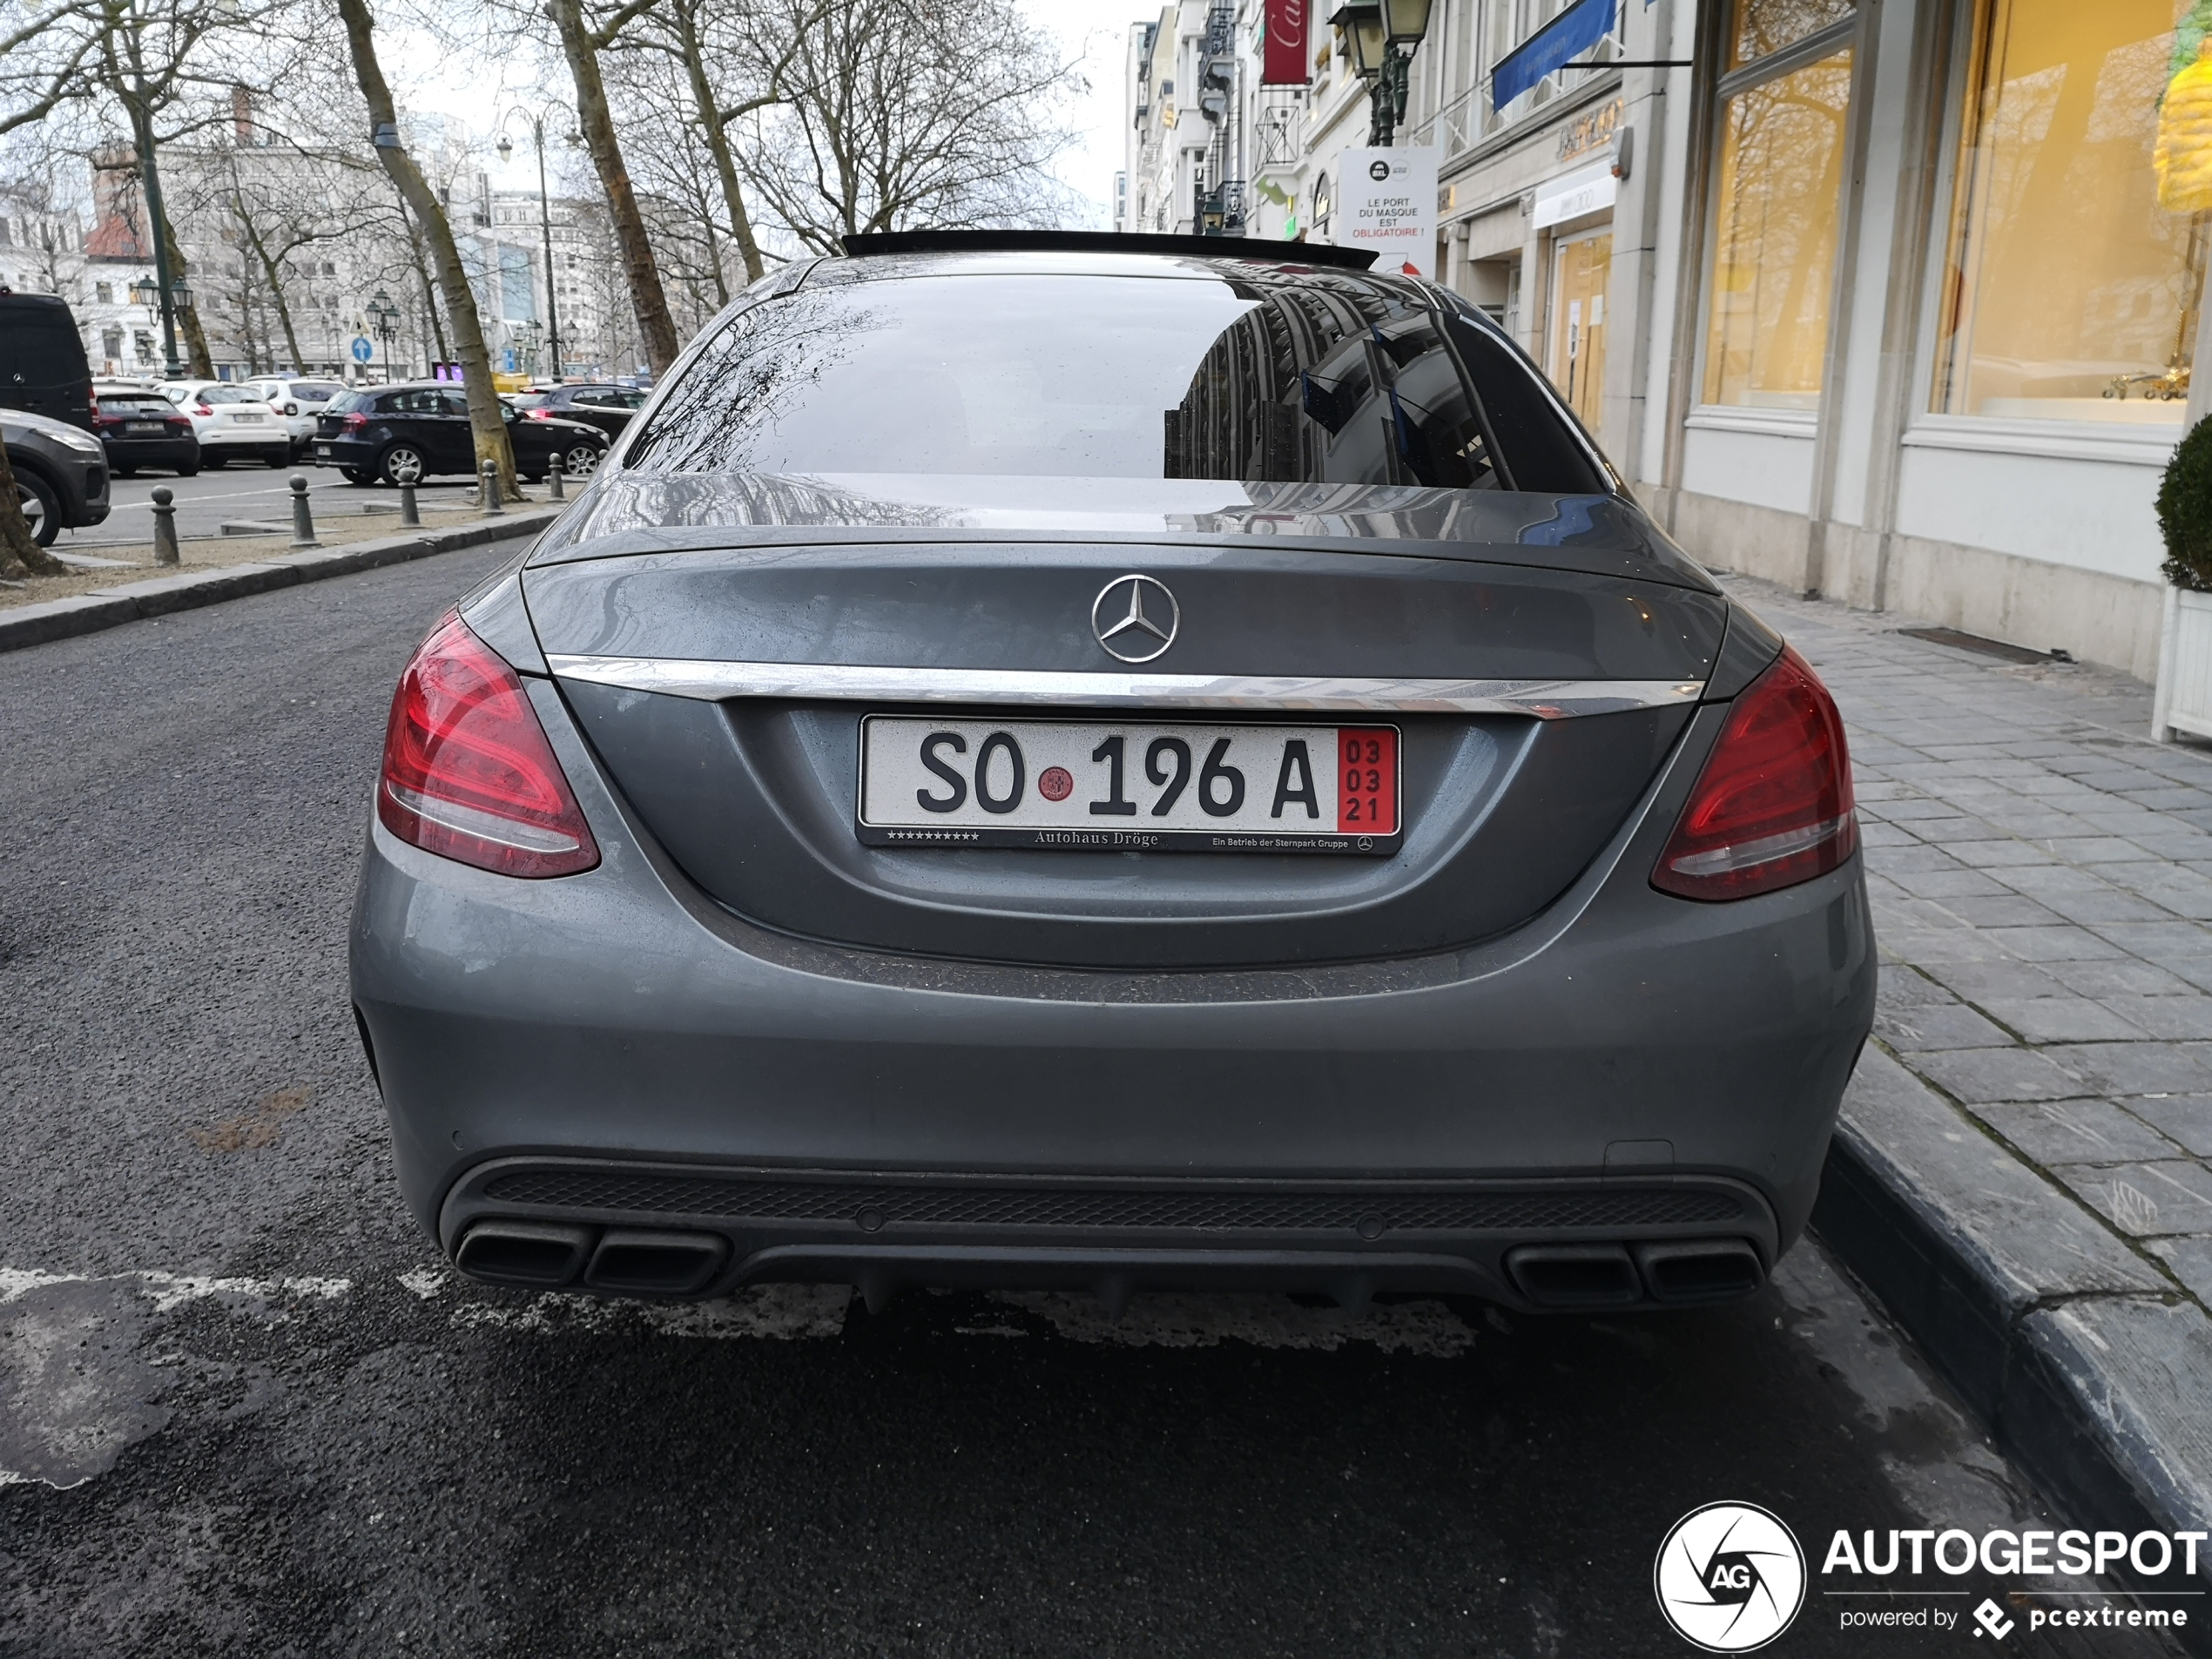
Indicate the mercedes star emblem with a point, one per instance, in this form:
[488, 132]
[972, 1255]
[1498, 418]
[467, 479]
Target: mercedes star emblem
[1135, 617]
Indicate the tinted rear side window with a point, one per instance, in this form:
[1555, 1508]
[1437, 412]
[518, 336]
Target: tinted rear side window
[40, 346]
[1321, 377]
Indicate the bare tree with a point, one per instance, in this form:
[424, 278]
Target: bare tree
[486, 420]
[902, 113]
[729, 60]
[581, 44]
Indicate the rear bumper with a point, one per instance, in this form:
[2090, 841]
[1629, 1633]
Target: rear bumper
[611, 1051]
[152, 452]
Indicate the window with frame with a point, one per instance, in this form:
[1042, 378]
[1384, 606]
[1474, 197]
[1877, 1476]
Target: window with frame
[2071, 286]
[1777, 202]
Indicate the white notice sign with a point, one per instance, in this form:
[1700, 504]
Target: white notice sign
[1388, 203]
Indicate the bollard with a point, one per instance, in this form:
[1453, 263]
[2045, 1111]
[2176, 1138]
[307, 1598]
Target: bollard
[164, 527]
[303, 519]
[555, 474]
[410, 517]
[493, 505]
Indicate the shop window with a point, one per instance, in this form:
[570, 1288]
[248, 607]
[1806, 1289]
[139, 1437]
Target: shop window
[1778, 201]
[1765, 27]
[2070, 292]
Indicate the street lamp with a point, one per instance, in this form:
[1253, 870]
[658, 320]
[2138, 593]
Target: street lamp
[146, 292]
[1378, 29]
[384, 317]
[544, 216]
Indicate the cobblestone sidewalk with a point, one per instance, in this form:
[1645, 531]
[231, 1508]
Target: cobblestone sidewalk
[2041, 878]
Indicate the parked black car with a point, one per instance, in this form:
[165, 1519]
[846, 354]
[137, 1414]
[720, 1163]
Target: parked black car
[397, 434]
[61, 474]
[599, 403]
[42, 367]
[141, 427]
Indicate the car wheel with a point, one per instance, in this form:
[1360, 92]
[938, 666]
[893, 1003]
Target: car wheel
[212, 462]
[126, 472]
[277, 457]
[402, 464]
[355, 476]
[41, 509]
[192, 471]
[581, 462]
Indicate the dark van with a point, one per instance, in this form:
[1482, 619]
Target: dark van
[43, 367]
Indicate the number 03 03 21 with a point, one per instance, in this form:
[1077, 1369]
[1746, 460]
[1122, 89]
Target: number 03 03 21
[1091, 785]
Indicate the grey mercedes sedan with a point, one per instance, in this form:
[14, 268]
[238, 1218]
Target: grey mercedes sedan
[1113, 763]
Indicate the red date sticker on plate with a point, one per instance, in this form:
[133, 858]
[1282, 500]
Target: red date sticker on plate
[1367, 780]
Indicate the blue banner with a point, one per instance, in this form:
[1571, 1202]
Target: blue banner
[1556, 44]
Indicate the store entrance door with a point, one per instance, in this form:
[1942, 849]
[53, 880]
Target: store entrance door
[1578, 271]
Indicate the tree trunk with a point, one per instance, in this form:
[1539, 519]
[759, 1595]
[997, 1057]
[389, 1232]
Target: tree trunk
[487, 417]
[718, 141]
[646, 299]
[261, 246]
[20, 556]
[188, 326]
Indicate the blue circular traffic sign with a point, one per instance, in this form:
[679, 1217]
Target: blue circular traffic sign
[362, 350]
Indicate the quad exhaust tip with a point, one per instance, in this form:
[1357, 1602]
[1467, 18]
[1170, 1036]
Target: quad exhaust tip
[1683, 1273]
[546, 1256]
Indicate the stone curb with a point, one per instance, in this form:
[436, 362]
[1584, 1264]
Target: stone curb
[2085, 1366]
[160, 596]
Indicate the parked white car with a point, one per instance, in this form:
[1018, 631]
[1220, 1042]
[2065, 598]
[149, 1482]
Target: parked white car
[297, 403]
[231, 422]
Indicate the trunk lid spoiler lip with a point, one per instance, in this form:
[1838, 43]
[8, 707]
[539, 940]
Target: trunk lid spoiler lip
[1606, 536]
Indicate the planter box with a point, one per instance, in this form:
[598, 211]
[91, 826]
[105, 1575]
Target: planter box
[2184, 704]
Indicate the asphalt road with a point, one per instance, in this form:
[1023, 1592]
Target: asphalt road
[240, 490]
[245, 1410]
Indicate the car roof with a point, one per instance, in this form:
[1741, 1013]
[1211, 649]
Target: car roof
[876, 244]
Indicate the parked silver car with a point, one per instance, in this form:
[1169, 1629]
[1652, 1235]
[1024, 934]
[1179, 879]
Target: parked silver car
[1060, 761]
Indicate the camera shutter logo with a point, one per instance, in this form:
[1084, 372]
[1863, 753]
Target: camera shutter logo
[1730, 1577]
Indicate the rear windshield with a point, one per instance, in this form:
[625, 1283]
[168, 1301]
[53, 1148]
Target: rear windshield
[213, 394]
[347, 402]
[1324, 379]
[527, 399]
[136, 403]
[315, 391]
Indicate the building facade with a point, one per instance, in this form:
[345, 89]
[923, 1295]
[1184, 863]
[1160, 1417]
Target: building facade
[1895, 302]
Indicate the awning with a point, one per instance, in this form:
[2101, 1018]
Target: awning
[1556, 44]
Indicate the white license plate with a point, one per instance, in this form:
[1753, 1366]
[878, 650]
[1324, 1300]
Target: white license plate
[248, 419]
[1091, 785]
[143, 429]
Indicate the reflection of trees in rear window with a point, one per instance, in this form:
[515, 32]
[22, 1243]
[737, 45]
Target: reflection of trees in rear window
[1318, 377]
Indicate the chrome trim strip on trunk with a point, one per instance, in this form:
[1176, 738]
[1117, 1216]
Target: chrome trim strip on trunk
[1033, 688]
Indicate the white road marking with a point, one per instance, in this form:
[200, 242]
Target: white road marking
[169, 1290]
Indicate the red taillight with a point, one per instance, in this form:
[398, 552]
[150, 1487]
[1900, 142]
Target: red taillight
[537, 414]
[468, 773]
[203, 406]
[353, 423]
[1773, 806]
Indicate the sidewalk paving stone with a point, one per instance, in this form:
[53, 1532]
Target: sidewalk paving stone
[2076, 1131]
[2022, 1170]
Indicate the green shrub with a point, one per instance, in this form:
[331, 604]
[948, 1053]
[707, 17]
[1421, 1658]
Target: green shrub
[2185, 511]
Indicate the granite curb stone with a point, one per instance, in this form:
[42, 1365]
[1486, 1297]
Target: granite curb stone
[51, 619]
